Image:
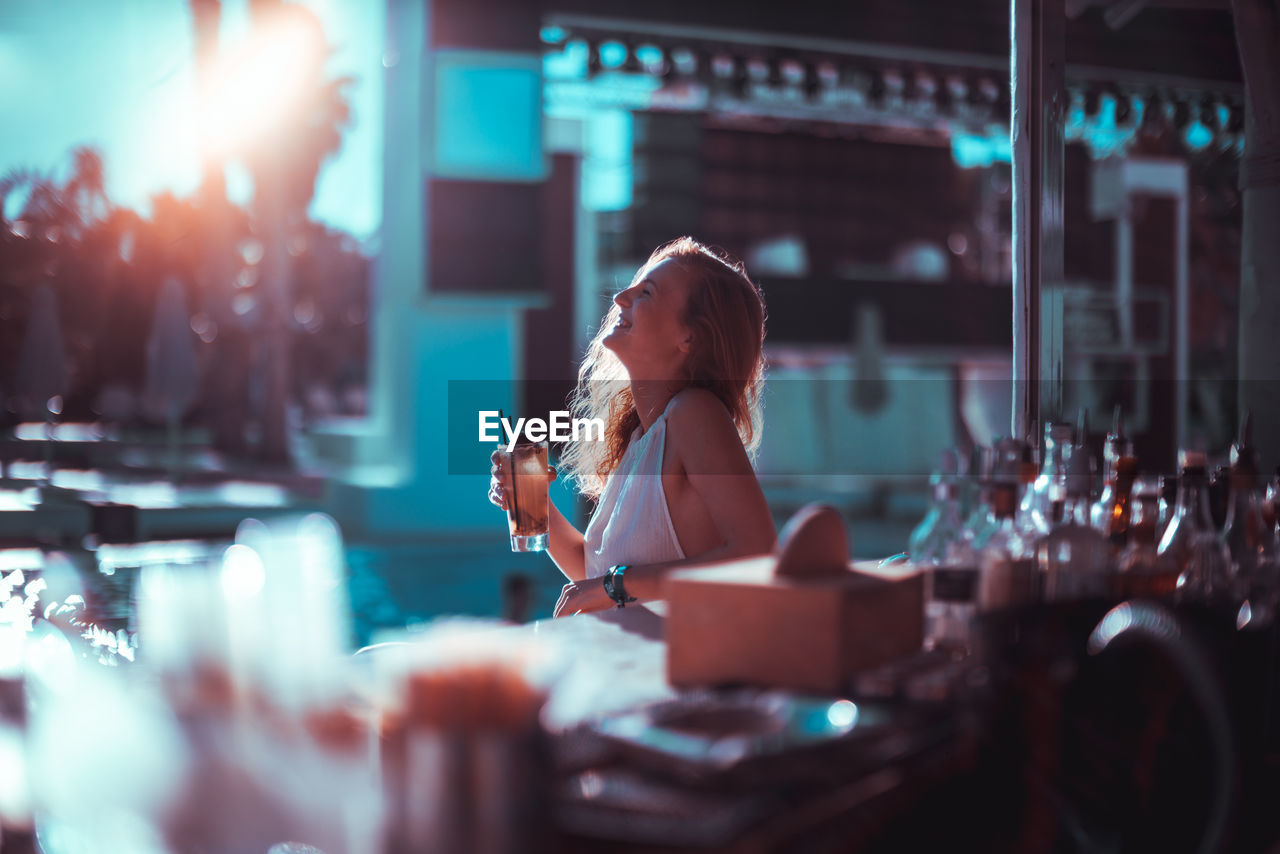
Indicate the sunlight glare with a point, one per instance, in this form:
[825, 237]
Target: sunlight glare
[253, 89]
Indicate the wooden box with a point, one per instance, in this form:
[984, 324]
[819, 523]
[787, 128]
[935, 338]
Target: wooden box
[809, 629]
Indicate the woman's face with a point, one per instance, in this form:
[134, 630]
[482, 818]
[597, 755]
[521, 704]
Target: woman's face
[649, 335]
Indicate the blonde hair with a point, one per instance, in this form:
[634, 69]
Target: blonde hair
[725, 312]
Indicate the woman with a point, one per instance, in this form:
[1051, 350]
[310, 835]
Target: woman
[675, 372]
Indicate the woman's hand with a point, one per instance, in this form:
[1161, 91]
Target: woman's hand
[583, 597]
[499, 478]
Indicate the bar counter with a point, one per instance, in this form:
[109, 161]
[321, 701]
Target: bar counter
[642, 766]
[1160, 738]
[1126, 725]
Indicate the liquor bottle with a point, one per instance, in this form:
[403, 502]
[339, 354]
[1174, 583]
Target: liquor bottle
[1246, 534]
[1168, 487]
[1074, 558]
[1219, 495]
[939, 544]
[942, 524]
[979, 523]
[1027, 472]
[1002, 470]
[1190, 542]
[1006, 564]
[1111, 512]
[1042, 505]
[1140, 570]
[951, 592]
[970, 482]
[1090, 464]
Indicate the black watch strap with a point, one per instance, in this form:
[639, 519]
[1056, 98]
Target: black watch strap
[614, 587]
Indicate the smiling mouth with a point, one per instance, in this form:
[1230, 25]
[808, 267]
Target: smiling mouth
[622, 324]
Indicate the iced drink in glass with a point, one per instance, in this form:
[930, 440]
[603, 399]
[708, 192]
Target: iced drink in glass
[527, 496]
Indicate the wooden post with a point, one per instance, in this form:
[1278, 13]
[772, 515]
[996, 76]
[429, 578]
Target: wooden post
[1039, 105]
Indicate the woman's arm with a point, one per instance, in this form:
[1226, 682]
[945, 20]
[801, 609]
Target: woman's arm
[705, 440]
[565, 545]
[645, 581]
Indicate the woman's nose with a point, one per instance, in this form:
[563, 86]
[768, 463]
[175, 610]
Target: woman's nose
[622, 298]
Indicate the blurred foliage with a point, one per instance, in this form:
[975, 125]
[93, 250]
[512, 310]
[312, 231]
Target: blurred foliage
[107, 264]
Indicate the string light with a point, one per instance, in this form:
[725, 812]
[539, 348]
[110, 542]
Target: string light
[1111, 115]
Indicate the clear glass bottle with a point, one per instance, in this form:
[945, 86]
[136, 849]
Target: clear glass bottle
[1219, 495]
[1190, 542]
[1246, 533]
[1110, 513]
[939, 545]
[1168, 488]
[1006, 564]
[980, 522]
[973, 471]
[942, 524]
[1042, 504]
[951, 591]
[1002, 473]
[1140, 570]
[1074, 558]
[1027, 473]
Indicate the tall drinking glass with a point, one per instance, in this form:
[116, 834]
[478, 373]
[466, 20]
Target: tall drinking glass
[526, 486]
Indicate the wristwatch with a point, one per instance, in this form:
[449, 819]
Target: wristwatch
[613, 586]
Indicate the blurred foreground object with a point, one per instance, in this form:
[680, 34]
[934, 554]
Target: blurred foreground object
[238, 727]
[465, 765]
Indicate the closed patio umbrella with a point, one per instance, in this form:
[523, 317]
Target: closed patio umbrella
[172, 373]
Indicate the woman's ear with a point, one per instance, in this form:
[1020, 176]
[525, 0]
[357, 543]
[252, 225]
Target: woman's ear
[686, 343]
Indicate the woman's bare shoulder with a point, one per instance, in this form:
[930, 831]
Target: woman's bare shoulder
[698, 405]
[697, 415]
[703, 436]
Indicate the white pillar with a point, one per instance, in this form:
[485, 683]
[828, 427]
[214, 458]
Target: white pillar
[399, 275]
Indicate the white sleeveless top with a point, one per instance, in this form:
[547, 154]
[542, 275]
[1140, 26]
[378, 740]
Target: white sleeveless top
[632, 523]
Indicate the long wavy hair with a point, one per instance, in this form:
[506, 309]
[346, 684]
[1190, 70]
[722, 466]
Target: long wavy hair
[725, 313]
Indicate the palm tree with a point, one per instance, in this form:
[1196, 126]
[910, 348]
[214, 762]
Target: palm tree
[285, 168]
[285, 171]
[52, 243]
[86, 190]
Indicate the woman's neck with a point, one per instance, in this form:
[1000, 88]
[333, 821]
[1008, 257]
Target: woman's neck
[651, 398]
